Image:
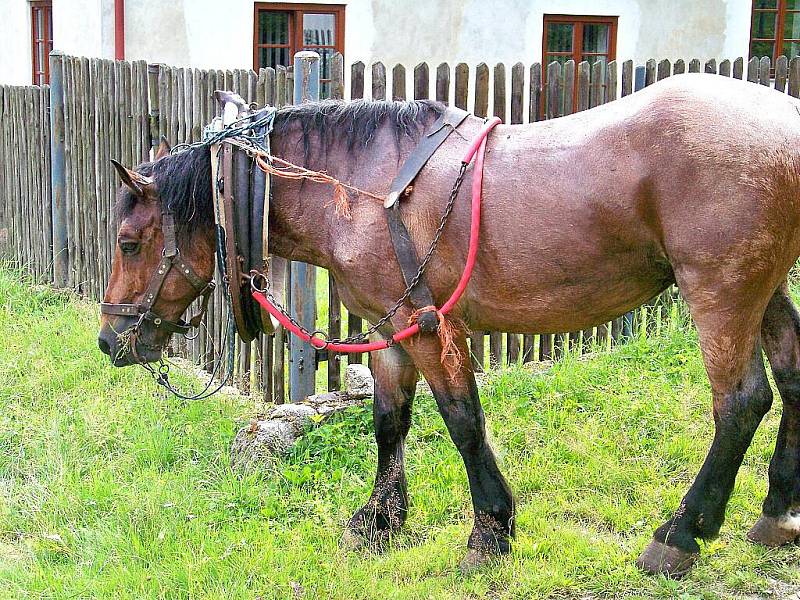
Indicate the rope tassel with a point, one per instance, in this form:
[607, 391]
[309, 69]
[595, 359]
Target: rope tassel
[451, 356]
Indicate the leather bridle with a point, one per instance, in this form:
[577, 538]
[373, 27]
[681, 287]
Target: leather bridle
[170, 259]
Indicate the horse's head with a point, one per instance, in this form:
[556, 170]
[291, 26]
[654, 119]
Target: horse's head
[164, 255]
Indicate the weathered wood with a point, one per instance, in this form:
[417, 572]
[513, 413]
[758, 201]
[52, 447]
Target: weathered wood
[694, 65]
[535, 93]
[477, 352]
[378, 81]
[596, 92]
[554, 107]
[650, 72]
[711, 66]
[584, 81]
[679, 67]
[738, 68]
[499, 95]
[399, 82]
[569, 87]
[764, 70]
[334, 331]
[517, 92]
[512, 348]
[481, 91]
[443, 83]
[611, 81]
[495, 348]
[794, 77]
[357, 80]
[752, 69]
[337, 76]
[781, 72]
[725, 68]
[627, 78]
[461, 92]
[421, 81]
[664, 69]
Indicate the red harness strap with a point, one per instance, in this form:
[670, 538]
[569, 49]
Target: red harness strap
[478, 146]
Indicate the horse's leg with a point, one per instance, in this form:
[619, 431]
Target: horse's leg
[395, 383]
[460, 406]
[780, 519]
[729, 340]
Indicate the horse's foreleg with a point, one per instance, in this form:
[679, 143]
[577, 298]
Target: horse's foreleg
[780, 520]
[741, 394]
[395, 383]
[460, 406]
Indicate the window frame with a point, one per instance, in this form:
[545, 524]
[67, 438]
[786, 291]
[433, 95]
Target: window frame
[295, 37]
[578, 22]
[779, 40]
[577, 35]
[46, 8]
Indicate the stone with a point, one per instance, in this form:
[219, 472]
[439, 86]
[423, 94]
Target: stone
[358, 381]
[292, 411]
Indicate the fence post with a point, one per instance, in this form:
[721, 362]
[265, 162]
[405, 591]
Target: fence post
[303, 276]
[58, 172]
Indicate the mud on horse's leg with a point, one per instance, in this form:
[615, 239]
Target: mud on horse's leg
[395, 384]
[460, 406]
[780, 519]
[740, 402]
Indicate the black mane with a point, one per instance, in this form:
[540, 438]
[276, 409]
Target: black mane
[355, 122]
[183, 180]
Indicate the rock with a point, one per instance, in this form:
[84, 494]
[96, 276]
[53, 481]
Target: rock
[261, 441]
[292, 411]
[270, 438]
[358, 381]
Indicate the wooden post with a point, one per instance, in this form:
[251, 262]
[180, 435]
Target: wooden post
[57, 172]
[354, 323]
[304, 277]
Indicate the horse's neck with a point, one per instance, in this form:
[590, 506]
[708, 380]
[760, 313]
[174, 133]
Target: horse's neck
[303, 219]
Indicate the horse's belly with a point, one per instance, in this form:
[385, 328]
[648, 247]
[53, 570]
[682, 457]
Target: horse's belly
[576, 296]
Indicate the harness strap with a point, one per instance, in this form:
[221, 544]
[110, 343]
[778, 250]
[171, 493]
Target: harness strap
[421, 295]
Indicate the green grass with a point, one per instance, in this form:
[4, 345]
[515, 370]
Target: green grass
[111, 489]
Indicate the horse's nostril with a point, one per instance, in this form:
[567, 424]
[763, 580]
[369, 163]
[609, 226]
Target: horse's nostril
[105, 347]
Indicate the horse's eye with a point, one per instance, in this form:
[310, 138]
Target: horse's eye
[129, 247]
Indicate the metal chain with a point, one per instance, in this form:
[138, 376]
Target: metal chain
[361, 337]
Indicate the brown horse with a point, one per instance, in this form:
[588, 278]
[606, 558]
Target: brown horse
[693, 181]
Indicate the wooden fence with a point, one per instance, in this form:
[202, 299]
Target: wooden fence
[104, 109]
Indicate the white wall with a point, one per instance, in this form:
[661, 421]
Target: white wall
[15, 42]
[209, 33]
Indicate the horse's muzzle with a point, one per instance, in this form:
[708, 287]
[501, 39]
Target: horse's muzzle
[111, 343]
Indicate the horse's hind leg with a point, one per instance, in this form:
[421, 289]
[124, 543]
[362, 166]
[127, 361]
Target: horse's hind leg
[729, 339]
[395, 384]
[780, 520]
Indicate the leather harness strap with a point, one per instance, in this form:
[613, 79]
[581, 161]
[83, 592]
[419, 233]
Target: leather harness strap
[421, 295]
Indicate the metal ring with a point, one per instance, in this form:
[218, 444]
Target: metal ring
[320, 335]
[254, 275]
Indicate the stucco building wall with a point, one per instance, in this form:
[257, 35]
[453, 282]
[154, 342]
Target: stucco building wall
[208, 33]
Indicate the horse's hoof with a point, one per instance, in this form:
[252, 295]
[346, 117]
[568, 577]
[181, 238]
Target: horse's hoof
[666, 560]
[772, 532]
[474, 560]
[353, 541]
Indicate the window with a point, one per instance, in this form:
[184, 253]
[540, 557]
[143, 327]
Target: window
[775, 29]
[579, 38]
[281, 30]
[41, 40]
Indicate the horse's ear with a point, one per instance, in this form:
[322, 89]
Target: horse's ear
[135, 181]
[163, 148]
